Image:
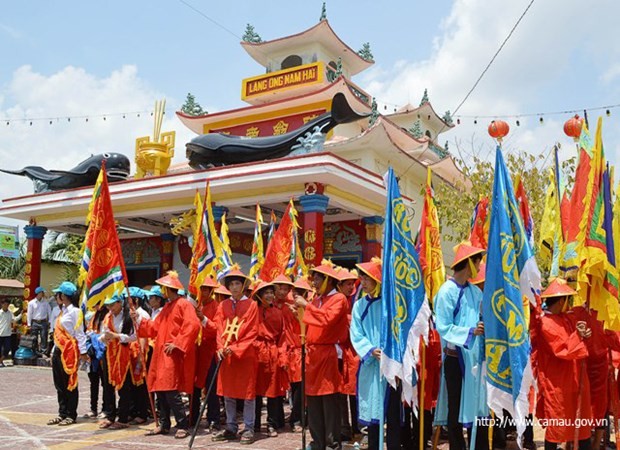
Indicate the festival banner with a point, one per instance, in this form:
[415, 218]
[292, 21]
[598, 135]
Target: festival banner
[225, 263]
[258, 257]
[480, 224]
[405, 308]
[551, 239]
[102, 272]
[9, 241]
[511, 276]
[281, 247]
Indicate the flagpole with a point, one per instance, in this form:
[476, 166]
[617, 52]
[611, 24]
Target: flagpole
[421, 409]
[582, 375]
[302, 337]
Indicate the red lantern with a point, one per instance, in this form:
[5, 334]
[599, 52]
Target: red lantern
[572, 127]
[498, 129]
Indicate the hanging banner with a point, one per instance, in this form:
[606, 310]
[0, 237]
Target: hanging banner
[9, 241]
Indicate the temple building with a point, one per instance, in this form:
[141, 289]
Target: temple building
[337, 190]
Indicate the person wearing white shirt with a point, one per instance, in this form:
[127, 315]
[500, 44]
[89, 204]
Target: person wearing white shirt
[156, 301]
[55, 312]
[6, 322]
[117, 333]
[39, 312]
[69, 342]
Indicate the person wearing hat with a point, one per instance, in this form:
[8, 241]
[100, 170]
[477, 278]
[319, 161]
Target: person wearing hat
[38, 317]
[156, 300]
[284, 299]
[221, 293]
[175, 330]
[560, 351]
[347, 285]
[205, 356]
[117, 333]
[457, 310]
[271, 350]
[69, 350]
[327, 326]
[239, 363]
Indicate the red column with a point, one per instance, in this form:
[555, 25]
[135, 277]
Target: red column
[167, 253]
[313, 205]
[374, 236]
[32, 277]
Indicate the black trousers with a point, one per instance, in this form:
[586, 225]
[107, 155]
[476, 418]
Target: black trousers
[125, 400]
[95, 378]
[398, 423]
[139, 400]
[171, 401]
[295, 417]
[273, 412]
[324, 419]
[349, 423]
[213, 401]
[67, 400]
[428, 429]
[584, 444]
[109, 393]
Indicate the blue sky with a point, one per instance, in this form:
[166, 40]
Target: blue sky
[88, 58]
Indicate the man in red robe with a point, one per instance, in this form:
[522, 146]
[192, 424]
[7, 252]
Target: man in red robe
[271, 350]
[326, 319]
[562, 380]
[175, 330]
[237, 328]
[205, 356]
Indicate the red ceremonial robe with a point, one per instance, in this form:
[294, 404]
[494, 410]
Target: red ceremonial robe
[326, 318]
[292, 332]
[208, 344]
[560, 353]
[271, 347]
[177, 324]
[350, 359]
[237, 374]
[433, 370]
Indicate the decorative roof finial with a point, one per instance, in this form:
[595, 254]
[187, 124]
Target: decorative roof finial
[447, 117]
[374, 113]
[339, 67]
[424, 97]
[365, 52]
[250, 35]
[416, 129]
[323, 13]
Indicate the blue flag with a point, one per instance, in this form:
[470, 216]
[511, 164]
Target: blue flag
[512, 276]
[405, 310]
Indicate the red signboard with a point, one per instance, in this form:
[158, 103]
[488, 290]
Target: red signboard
[271, 127]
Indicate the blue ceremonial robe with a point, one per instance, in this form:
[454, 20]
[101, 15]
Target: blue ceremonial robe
[457, 311]
[365, 336]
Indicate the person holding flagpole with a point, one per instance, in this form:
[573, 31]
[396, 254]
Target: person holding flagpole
[171, 372]
[458, 310]
[326, 318]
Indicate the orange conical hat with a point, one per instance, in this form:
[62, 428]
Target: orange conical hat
[235, 271]
[209, 282]
[372, 268]
[326, 268]
[171, 280]
[345, 274]
[302, 283]
[481, 275]
[221, 290]
[465, 250]
[558, 288]
[282, 279]
[260, 285]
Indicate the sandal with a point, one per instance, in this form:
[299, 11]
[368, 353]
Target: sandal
[105, 424]
[65, 422]
[55, 421]
[155, 431]
[181, 434]
[271, 432]
[119, 426]
[247, 437]
[138, 421]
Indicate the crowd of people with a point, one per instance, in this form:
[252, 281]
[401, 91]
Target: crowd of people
[159, 353]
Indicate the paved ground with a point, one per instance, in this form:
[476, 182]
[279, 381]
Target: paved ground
[28, 401]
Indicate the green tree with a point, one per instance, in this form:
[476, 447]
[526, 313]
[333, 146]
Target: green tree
[366, 53]
[250, 35]
[14, 268]
[191, 107]
[67, 249]
[455, 211]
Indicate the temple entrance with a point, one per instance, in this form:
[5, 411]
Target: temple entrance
[142, 276]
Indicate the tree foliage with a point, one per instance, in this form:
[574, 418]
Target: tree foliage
[64, 247]
[14, 268]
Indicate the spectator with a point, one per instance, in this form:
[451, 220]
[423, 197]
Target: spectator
[6, 321]
[39, 313]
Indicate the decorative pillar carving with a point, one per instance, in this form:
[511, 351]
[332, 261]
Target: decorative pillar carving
[313, 206]
[374, 234]
[167, 252]
[32, 275]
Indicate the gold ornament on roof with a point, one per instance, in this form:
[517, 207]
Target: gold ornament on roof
[153, 156]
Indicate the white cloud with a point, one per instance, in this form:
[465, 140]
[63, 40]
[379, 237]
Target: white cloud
[62, 144]
[10, 31]
[553, 57]
[611, 74]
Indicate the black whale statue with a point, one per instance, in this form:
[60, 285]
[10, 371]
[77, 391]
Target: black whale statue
[84, 174]
[217, 149]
